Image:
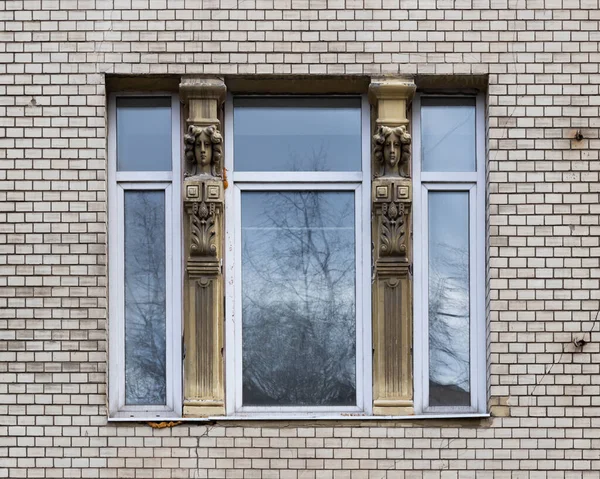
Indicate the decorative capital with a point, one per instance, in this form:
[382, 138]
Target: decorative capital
[390, 97]
[203, 97]
[202, 88]
[391, 89]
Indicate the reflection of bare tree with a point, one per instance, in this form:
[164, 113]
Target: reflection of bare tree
[449, 325]
[315, 161]
[145, 298]
[298, 305]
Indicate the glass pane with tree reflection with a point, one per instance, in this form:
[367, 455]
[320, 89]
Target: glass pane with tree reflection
[298, 298]
[145, 298]
[449, 312]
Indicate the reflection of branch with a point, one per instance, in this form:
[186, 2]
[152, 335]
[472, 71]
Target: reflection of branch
[145, 300]
[448, 313]
[447, 134]
[298, 306]
[295, 308]
[315, 162]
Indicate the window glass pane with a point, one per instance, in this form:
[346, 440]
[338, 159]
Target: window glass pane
[145, 298]
[143, 134]
[298, 299]
[297, 134]
[448, 134]
[449, 312]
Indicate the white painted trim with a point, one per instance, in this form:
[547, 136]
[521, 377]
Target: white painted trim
[118, 182]
[480, 257]
[239, 408]
[422, 320]
[448, 177]
[143, 176]
[176, 261]
[473, 280]
[237, 333]
[364, 280]
[119, 299]
[298, 411]
[112, 258]
[360, 183]
[418, 259]
[321, 186]
[359, 294]
[474, 182]
[448, 187]
[297, 176]
[230, 261]
[305, 417]
[473, 346]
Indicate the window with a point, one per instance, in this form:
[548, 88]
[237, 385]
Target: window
[298, 280]
[301, 231]
[449, 239]
[144, 255]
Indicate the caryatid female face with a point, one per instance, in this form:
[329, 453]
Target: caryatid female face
[392, 149]
[203, 150]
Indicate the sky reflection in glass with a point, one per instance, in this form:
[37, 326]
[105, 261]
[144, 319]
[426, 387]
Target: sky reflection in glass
[297, 134]
[144, 134]
[448, 134]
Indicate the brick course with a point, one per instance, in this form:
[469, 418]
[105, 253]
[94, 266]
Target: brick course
[542, 60]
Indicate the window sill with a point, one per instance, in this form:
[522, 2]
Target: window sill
[303, 417]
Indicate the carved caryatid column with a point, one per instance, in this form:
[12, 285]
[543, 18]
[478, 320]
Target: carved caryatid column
[203, 246]
[392, 248]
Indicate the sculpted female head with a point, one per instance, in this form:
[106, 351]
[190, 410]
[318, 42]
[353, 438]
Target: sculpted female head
[203, 150]
[391, 149]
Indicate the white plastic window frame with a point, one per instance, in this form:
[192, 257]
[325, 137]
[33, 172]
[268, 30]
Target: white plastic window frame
[360, 184]
[118, 183]
[474, 184]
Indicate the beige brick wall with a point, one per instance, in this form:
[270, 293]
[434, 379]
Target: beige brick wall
[543, 65]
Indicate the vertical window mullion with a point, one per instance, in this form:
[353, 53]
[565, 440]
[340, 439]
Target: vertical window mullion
[169, 295]
[424, 317]
[358, 306]
[176, 323]
[481, 271]
[120, 294]
[473, 299]
[364, 282]
[231, 263]
[238, 299]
